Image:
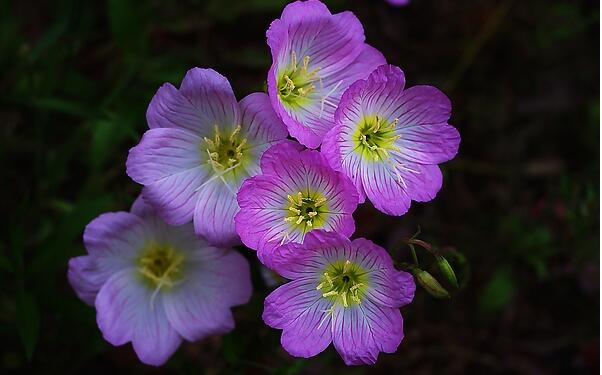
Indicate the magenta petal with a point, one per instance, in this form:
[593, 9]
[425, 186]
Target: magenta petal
[261, 223]
[423, 112]
[361, 332]
[298, 309]
[205, 99]
[422, 182]
[125, 313]
[381, 186]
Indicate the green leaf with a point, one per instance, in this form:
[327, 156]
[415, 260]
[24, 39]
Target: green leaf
[28, 322]
[498, 291]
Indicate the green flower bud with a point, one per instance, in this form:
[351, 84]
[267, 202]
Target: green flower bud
[447, 271]
[428, 282]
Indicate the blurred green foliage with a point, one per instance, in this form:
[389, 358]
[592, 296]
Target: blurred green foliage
[521, 201]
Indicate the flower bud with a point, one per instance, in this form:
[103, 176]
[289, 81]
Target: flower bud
[447, 271]
[428, 282]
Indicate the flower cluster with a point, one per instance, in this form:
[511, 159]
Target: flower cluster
[217, 172]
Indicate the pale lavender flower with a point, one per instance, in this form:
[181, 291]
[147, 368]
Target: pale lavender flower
[201, 145]
[153, 284]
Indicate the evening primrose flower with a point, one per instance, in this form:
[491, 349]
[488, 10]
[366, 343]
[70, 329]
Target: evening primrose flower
[343, 292]
[388, 140]
[297, 192]
[200, 147]
[153, 284]
[316, 55]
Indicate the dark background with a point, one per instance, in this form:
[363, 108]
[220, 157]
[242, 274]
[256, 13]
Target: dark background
[520, 202]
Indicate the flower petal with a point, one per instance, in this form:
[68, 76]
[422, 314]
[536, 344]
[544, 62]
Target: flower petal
[362, 331]
[383, 187]
[262, 125]
[124, 313]
[169, 163]
[299, 309]
[261, 224]
[86, 278]
[426, 138]
[205, 99]
[214, 213]
[115, 237]
[200, 306]
[141, 208]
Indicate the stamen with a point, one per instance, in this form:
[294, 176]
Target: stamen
[331, 293]
[305, 64]
[217, 135]
[235, 133]
[294, 60]
[209, 142]
[346, 266]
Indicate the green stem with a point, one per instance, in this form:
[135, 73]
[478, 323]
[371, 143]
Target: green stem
[413, 252]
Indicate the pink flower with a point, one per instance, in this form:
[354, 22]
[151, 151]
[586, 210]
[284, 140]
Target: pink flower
[343, 292]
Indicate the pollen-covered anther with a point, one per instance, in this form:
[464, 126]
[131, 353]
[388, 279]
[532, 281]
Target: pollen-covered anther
[298, 80]
[225, 151]
[161, 265]
[304, 209]
[343, 284]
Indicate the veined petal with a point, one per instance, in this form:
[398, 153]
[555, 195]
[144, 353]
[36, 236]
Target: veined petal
[426, 137]
[260, 222]
[200, 306]
[125, 313]
[86, 278]
[214, 213]
[298, 309]
[384, 186]
[205, 99]
[262, 124]
[325, 53]
[115, 237]
[362, 331]
[162, 153]
[168, 162]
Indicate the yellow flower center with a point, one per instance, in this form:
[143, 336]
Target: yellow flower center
[344, 283]
[376, 137]
[308, 210]
[297, 80]
[225, 151]
[160, 265]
